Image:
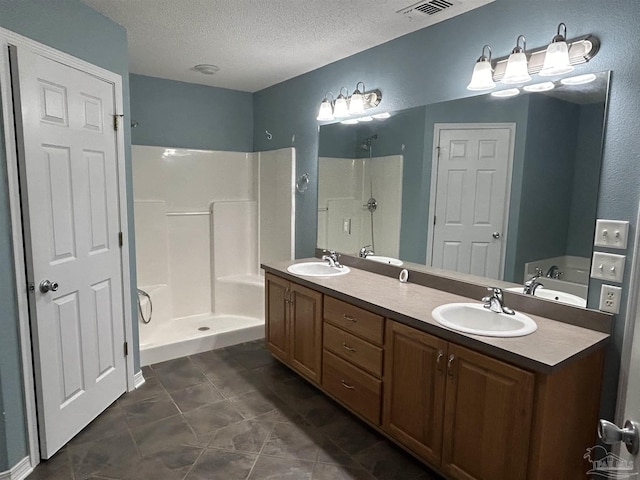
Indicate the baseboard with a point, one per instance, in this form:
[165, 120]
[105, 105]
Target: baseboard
[138, 381]
[19, 472]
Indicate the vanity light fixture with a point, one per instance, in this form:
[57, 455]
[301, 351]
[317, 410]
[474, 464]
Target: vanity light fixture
[517, 70]
[345, 106]
[326, 109]
[350, 121]
[551, 59]
[556, 58]
[539, 87]
[356, 102]
[511, 92]
[341, 107]
[579, 79]
[482, 76]
[366, 118]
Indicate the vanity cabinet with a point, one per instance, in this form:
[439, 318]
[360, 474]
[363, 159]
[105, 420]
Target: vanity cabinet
[352, 357]
[465, 412]
[294, 325]
[462, 411]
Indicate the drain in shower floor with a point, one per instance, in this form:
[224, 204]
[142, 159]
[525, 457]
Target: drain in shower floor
[203, 329]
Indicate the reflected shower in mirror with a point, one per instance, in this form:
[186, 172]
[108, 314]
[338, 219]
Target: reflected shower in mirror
[492, 187]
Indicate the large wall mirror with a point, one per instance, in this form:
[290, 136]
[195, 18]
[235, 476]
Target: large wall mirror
[487, 186]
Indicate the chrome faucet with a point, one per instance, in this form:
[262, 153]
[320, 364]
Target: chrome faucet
[366, 251]
[553, 272]
[332, 257]
[532, 284]
[495, 302]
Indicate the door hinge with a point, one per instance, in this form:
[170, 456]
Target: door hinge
[120, 239]
[115, 121]
[126, 349]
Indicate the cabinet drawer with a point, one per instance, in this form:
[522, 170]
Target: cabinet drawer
[353, 349]
[354, 319]
[357, 389]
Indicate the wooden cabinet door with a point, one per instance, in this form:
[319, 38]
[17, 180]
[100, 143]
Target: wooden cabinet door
[414, 389]
[305, 332]
[276, 316]
[488, 413]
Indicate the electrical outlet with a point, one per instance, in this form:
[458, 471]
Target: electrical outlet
[610, 299]
[607, 266]
[611, 234]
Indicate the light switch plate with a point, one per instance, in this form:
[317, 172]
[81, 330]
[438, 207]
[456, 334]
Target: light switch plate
[611, 233]
[608, 266]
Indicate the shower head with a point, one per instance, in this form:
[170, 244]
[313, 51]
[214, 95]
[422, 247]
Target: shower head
[366, 143]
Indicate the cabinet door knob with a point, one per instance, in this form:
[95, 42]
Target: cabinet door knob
[450, 365]
[347, 347]
[439, 360]
[346, 385]
[350, 318]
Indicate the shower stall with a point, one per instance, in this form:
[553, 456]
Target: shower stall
[204, 221]
[360, 202]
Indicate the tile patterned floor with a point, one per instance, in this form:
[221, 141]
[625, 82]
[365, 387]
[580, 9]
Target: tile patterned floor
[228, 414]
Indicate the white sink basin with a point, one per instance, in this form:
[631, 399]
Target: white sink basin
[317, 269]
[474, 318]
[556, 295]
[383, 259]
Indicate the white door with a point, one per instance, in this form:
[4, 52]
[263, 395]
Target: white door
[68, 169]
[471, 199]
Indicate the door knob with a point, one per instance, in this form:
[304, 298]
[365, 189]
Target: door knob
[496, 235]
[46, 286]
[610, 433]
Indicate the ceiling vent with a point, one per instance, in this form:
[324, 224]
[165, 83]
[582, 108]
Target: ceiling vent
[432, 7]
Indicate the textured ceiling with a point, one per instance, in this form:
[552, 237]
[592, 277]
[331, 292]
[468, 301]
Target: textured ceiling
[258, 43]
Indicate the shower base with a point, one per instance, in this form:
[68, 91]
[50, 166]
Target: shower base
[189, 335]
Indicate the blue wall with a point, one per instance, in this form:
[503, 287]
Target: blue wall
[586, 181]
[547, 185]
[186, 115]
[434, 65]
[72, 27]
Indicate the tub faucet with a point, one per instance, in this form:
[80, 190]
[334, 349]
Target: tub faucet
[495, 302]
[553, 272]
[332, 257]
[366, 251]
[532, 284]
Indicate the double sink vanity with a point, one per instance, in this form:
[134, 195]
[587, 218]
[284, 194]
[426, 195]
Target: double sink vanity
[399, 356]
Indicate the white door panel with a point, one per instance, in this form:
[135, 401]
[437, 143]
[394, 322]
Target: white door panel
[68, 164]
[472, 175]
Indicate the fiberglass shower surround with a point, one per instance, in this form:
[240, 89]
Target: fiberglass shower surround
[204, 222]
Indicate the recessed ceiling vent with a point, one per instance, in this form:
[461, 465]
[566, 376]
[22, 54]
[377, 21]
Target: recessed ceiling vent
[431, 7]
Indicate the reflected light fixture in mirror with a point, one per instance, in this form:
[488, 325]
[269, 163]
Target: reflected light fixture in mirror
[556, 59]
[511, 92]
[482, 76]
[579, 79]
[539, 87]
[517, 66]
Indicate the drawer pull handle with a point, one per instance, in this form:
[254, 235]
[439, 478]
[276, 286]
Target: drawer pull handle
[439, 360]
[346, 385]
[348, 348]
[450, 365]
[350, 318]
